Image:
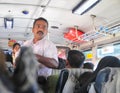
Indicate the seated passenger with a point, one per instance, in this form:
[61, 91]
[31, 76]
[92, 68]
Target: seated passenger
[88, 65]
[108, 61]
[82, 79]
[67, 79]
[84, 76]
[75, 59]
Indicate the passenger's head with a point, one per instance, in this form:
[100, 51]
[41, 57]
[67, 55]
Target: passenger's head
[16, 47]
[88, 65]
[108, 61]
[84, 77]
[75, 58]
[40, 28]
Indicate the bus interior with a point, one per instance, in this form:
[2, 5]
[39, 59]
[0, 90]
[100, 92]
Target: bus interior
[98, 26]
[94, 29]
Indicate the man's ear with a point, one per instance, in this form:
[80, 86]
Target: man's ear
[32, 30]
[67, 63]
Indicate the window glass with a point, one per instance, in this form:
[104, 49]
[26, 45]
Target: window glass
[88, 54]
[113, 50]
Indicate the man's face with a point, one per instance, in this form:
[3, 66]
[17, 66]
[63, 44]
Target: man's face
[40, 29]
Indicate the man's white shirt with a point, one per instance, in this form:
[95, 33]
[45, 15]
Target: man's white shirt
[45, 48]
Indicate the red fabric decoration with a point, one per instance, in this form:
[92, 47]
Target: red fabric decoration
[73, 35]
[11, 42]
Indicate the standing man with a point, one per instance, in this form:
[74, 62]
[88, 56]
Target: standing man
[45, 50]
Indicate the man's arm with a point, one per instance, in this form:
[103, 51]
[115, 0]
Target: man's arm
[49, 62]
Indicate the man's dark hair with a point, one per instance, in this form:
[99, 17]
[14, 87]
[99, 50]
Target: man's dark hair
[15, 45]
[40, 18]
[75, 58]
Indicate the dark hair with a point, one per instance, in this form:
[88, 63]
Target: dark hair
[84, 77]
[108, 61]
[88, 65]
[14, 45]
[75, 58]
[40, 18]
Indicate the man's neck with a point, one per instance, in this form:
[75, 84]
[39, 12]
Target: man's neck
[68, 66]
[35, 40]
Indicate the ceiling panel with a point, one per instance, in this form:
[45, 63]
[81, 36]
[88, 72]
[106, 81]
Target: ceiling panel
[32, 2]
[64, 4]
[11, 10]
[59, 14]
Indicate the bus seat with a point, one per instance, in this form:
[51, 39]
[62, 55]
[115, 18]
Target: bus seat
[62, 80]
[107, 81]
[68, 78]
[51, 83]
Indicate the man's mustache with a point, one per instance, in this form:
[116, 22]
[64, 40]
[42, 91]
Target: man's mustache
[40, 32]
